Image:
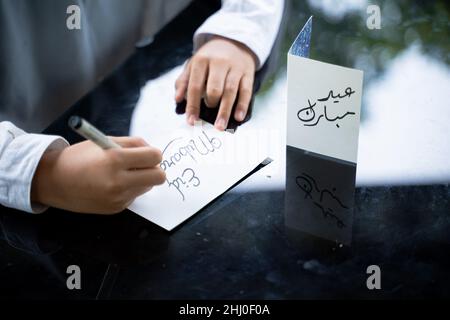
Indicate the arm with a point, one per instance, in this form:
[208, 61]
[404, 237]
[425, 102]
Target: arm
[37, 171]
[229, 47]
[20, 154]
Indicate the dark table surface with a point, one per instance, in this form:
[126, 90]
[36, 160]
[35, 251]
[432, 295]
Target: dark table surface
[236, 247]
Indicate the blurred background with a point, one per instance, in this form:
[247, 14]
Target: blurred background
[405, 118]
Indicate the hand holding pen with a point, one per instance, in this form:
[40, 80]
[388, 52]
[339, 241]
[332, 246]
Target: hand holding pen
[100, 175]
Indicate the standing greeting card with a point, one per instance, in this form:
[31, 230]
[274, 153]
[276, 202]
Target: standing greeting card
[323, 117]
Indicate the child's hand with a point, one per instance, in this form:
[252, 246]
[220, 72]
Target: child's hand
[224, 70]
[86, 178]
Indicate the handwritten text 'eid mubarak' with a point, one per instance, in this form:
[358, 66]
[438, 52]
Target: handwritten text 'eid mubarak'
[311, 118]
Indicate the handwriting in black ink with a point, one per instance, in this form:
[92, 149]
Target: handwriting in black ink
[201, 146]
[177, 150]
[187, 179]
[348, 92]
[309, 186]
[308, 114]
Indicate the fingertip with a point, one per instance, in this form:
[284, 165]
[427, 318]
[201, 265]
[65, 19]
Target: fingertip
[179, 94]
[159, 155]
[162, 177]
[220, 124]
[191, 118]
[140, 142]
[205, 100]
[239, 115]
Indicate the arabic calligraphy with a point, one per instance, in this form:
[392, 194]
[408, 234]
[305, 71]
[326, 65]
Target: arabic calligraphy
[308, 114]
[321, 197]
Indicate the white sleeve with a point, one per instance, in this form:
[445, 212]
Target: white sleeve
[20, 154]
[254, 23]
